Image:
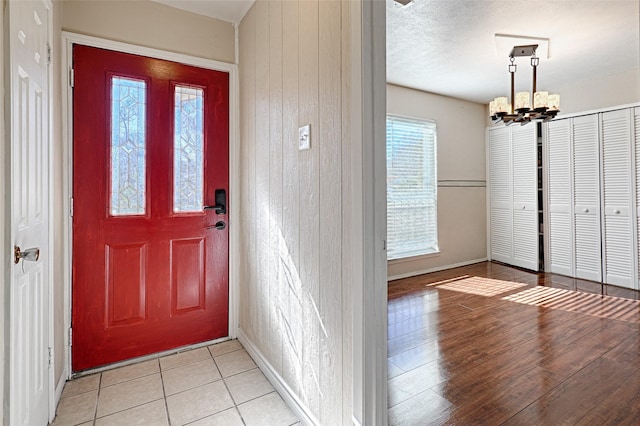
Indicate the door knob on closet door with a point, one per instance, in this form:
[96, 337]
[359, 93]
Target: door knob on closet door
[31, 255]
[585, 210]
[616, 211]
[524, 207]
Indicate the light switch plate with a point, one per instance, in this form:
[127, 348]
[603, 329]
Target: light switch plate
[305, 137]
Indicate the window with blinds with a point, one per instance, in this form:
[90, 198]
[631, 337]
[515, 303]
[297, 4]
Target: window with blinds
[412, 226]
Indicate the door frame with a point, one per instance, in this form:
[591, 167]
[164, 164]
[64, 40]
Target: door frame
[369, 213]
[68, 41]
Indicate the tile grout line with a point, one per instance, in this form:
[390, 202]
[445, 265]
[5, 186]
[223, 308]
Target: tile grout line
[235, 405]
[127, 409]
[95, 411]
[164, 394]
[130, 380]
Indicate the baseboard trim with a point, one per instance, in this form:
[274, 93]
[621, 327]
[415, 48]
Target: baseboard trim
[60, 387]
[436, 269]
[277, 381]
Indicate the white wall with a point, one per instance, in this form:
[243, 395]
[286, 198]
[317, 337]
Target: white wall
[153, 25]
[295, 296]
[462, 232]
[602, 92]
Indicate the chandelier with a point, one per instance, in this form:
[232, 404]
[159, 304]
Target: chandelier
[545, 106]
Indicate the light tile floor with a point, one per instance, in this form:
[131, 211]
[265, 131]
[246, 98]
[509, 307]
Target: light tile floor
[218, 385]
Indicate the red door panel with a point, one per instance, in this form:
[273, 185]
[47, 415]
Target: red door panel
[150, 269]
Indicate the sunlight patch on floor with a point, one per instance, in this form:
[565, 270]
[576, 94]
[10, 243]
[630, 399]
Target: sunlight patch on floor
[587, 303]
[480, 286]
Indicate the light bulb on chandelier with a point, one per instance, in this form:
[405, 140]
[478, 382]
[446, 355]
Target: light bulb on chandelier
[545, 106]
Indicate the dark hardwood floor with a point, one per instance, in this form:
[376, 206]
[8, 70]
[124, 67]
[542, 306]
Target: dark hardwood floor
[488, 344]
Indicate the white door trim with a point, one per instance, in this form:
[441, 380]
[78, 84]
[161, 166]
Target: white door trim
[5, 221]
[54, 397]
[369, 232]
[68, 40]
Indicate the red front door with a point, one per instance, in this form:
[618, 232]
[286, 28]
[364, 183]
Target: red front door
[150, 150]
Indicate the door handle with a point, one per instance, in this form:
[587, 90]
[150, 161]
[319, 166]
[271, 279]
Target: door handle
[30, 255]
[221, 202]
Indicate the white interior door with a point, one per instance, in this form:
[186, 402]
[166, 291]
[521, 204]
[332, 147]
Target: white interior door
[636, 127]
[29, 287]
[558, 162]
[618, 202]
[500, 195]
[524, 154]
[586, 190]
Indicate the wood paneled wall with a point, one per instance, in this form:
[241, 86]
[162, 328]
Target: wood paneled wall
[295, 291]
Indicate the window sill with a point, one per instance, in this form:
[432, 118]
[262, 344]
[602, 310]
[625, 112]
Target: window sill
[414, 258]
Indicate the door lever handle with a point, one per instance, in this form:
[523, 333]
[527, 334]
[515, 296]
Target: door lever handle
[219, 209]
[221, 202]
[31, 255]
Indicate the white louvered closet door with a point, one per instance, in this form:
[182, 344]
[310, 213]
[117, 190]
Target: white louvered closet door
[636, 131]
[524, 154]
[500, 194]
[586, 195]
[559, 181]
[618, 199]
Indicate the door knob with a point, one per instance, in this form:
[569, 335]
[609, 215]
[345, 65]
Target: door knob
[30, 255]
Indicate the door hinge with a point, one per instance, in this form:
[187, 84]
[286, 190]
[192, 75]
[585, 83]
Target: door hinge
[48, 54]
[70, 336]
[71, 207]
[71, 77]
[50, 357]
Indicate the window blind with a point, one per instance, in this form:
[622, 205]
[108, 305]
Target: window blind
[412, 226]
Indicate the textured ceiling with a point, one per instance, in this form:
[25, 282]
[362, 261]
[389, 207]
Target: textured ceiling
[448, 46]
